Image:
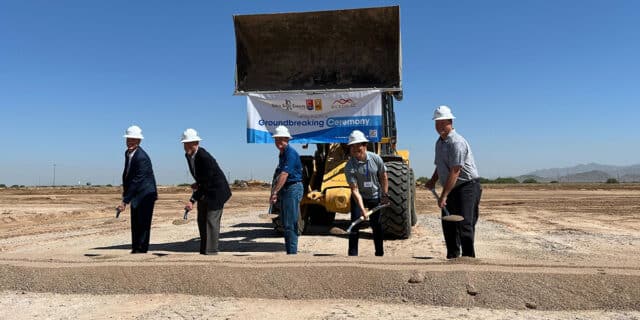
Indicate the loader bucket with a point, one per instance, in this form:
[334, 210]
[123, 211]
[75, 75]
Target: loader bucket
[324, 50]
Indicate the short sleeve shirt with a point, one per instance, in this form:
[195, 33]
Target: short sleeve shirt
[455, 151]
[289, 162]
[366, 174]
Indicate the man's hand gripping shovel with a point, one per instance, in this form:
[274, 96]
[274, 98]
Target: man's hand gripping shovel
[362, 218]
[447, 216]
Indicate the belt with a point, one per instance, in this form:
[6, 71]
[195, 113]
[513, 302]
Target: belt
[288, 183]
[476, 180]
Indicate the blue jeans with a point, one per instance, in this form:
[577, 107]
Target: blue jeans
[290, 197]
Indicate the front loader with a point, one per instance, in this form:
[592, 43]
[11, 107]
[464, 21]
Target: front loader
[323, 74]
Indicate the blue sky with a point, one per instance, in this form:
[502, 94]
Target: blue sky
[533, 84]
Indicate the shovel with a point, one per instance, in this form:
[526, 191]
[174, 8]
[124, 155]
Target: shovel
[116, 219]
[184, 220]
[269, 215]
[447, 216]
[353, 224]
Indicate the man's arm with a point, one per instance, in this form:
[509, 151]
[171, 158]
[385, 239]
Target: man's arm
[282, 179]
[448, 186]
[355, 193]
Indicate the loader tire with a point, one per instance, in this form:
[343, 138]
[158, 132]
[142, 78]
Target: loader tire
[396, 218]
[414, 214]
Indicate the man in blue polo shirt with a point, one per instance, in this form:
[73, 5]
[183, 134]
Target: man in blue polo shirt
[461, 190]
[288, 188]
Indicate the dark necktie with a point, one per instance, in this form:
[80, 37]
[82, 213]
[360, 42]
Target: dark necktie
[127, 163]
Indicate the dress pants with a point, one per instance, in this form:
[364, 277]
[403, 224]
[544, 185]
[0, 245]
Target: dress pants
[141, 216]
[209, 227]
[459, 237]
[374, 222]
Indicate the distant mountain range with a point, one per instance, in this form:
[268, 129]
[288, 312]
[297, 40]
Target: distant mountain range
[592, 172]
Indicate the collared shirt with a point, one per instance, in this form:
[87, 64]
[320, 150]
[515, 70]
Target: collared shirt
[455, 151]
[193, 163]
[366, 174]
[130, 156]
[289, 162]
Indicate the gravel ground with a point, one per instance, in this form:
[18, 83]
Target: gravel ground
[543, 254]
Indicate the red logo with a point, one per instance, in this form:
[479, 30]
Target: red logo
[309, 104]
[342, 103]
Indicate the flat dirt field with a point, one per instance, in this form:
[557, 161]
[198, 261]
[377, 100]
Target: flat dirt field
[549, 251]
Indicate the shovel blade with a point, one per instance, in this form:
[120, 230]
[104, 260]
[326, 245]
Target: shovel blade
[453, 218]
[178, 222]
[337, 231]
[267, 216]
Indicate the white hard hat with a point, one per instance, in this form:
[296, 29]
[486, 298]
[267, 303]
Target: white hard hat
[133, 132]
[443, 113]
[190, 135]
[357, 136]
[281, 132]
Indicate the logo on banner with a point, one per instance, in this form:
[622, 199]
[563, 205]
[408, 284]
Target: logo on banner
[314, 104]
[342, 103]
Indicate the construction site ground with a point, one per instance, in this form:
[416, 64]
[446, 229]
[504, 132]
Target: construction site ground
[545, 251]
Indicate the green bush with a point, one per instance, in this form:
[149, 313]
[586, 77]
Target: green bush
[506, 180]
[485, 180]
[530, 180]
[499, 180]
[2, 185]
[554, 181]
[612, 180]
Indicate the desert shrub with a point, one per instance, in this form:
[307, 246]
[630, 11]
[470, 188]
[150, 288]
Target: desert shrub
[485, 180]
[2, 185]
[184, 185]
[506, 180]
[554, 181]
[612, 180]
[530, 180]
[422, 180]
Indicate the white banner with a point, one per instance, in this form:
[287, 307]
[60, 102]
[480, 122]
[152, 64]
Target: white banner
[315, 118]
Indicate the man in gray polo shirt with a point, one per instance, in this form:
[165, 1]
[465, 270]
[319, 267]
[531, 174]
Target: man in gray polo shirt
[367, 178]
[461, 190]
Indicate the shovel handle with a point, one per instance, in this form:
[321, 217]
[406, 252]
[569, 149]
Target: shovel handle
[368, 213]
[435, 194]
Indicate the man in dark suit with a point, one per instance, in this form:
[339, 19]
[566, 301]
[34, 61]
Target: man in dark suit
[211, 191]
[139, 190]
